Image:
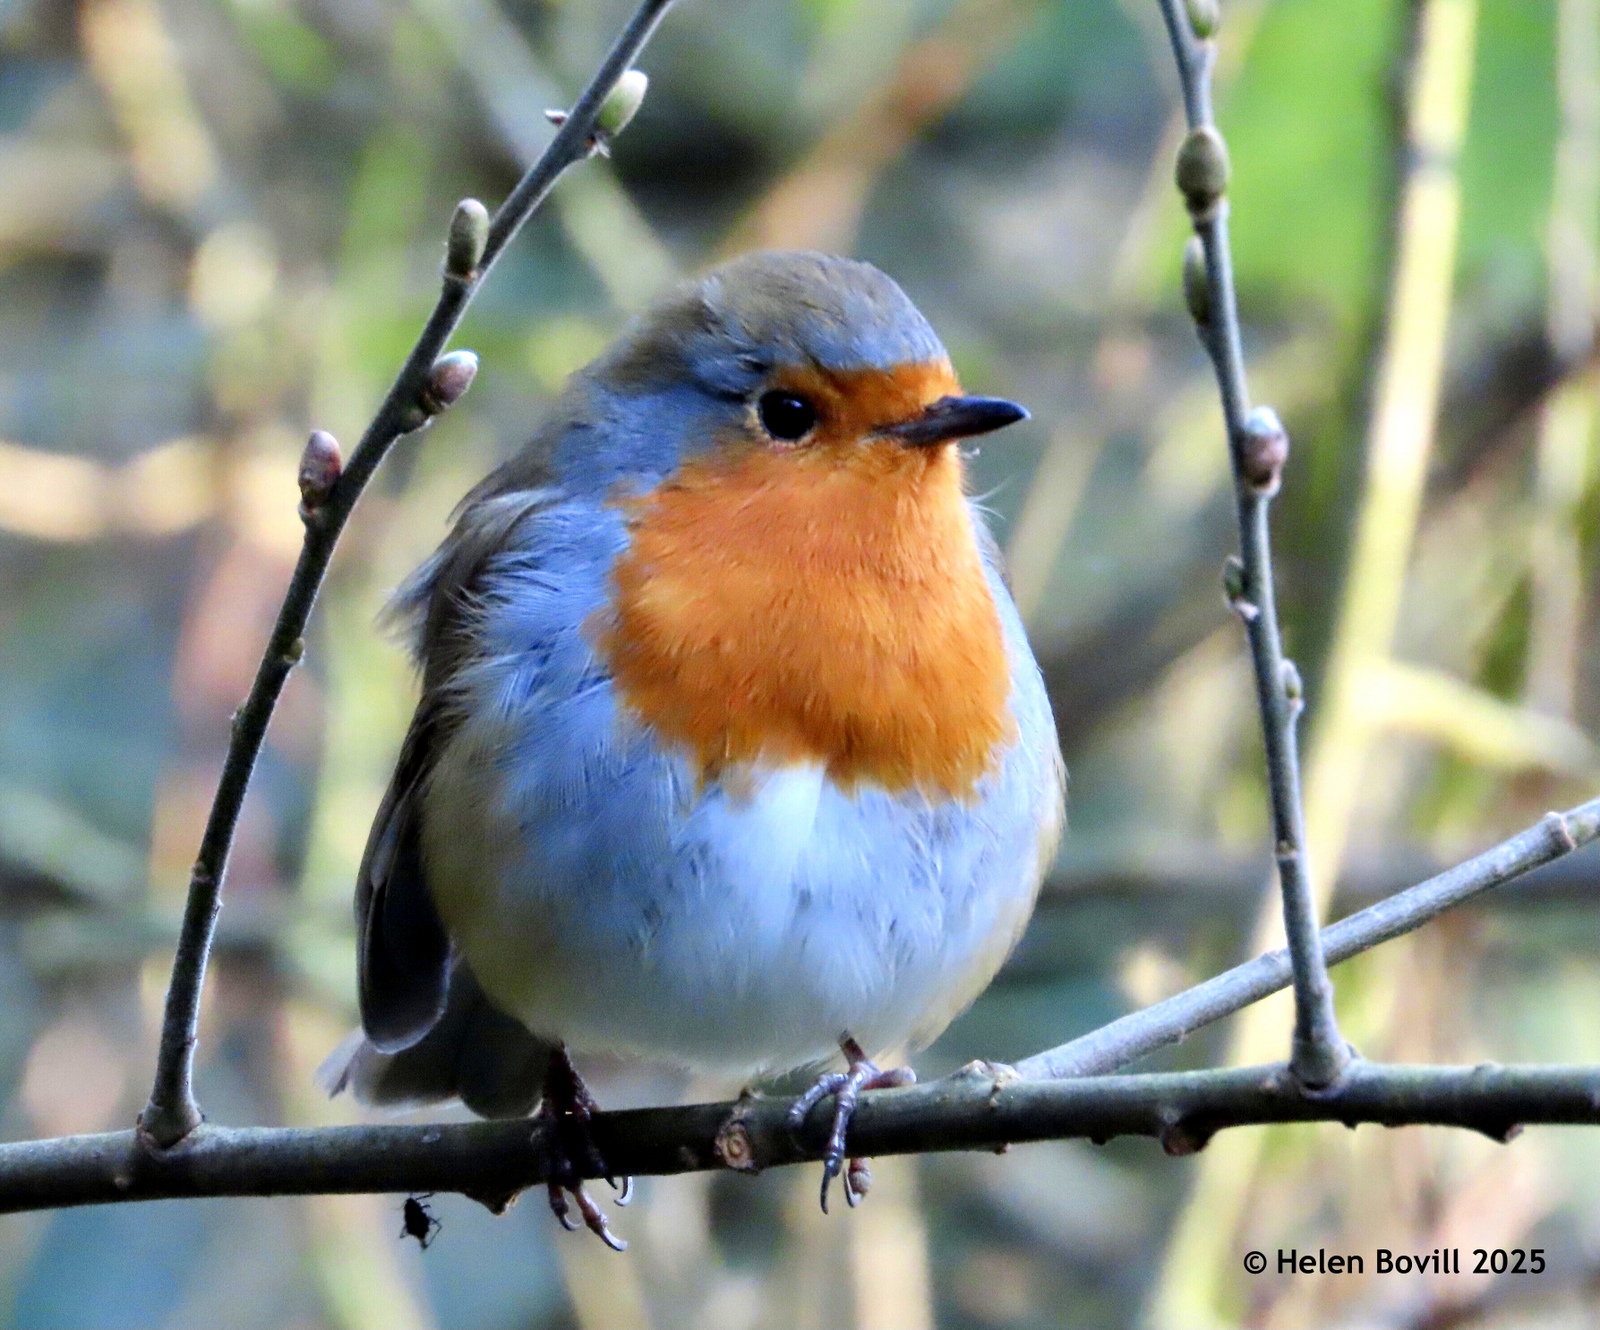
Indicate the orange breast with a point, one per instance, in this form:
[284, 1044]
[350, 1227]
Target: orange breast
[823, 604]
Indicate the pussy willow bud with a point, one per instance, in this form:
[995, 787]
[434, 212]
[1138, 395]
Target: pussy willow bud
[1196, 281]
[1204, 16]
[321, 465]
[469, 233]
[452, 375]
[1202, 169]
[1263, 449]
[622, 103]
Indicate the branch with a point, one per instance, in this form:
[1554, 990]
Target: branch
[978, 1108]
[1259, 449]
[426, 385]
[972, 1110]
[1169, 1022]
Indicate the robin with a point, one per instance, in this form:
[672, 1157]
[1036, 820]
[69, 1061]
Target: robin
[731, 752]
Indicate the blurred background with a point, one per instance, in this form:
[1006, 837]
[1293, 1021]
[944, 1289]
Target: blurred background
[220, 225]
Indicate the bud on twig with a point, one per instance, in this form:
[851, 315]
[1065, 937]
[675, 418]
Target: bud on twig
[1263, 449]
[1233, 578]
[1202, 169]
[1294, 691]
[622, 103]
[469, 233]
[1196, 281]
[452, 375]
[321, 465]
[1180, 1138]
[1233, 589]
[1204, 16]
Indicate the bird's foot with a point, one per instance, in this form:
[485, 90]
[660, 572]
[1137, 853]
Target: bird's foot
[846, 1087]
[564, 1113]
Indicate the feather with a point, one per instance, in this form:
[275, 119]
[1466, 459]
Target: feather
[403, 952]
[474, 1052]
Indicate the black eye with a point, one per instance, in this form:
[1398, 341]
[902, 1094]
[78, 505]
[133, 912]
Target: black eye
[785, 416]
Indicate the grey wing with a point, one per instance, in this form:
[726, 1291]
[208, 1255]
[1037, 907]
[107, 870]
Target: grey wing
[403, 952]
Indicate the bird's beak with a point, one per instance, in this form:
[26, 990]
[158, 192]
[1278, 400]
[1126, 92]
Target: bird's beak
[955, 418]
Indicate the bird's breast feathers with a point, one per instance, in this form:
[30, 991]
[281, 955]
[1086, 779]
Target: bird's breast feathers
[825, 607]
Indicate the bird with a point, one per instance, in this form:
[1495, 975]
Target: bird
[731, 753]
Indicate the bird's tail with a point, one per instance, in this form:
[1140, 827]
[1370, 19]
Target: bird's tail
[474, 1053]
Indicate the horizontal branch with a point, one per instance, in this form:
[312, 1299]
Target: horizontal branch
[972, 1110]
[1132, 1036]
[979, 1108]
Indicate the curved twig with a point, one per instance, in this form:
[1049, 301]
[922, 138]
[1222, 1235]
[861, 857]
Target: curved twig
[423, 388]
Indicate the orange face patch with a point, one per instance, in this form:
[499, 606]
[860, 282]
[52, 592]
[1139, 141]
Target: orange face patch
[819, 602]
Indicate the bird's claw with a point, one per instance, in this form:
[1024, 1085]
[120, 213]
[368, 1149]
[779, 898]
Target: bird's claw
[846, 1088]
[565, 1112]
[857, 1181]
[594, 1218]
[560, 1209]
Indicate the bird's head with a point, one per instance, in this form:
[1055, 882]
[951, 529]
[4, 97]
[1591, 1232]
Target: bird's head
[803, 579]
[817, 358]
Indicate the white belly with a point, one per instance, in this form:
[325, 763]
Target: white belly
[739, 929]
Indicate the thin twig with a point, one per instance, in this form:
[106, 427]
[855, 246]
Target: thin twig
[973, 1110]
[172, 1112]
[1258, 449]
[1169, 1022]
[1196, 1276]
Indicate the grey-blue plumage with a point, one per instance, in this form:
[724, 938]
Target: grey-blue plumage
[547, 866]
